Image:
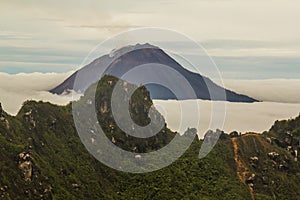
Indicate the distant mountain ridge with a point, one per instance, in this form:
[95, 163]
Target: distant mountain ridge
[120, 61]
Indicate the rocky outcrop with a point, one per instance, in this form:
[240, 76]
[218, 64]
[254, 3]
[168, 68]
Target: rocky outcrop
[250, 180]
[1, 110]
[3, 119]
[25, 165]
[273, 155]
[3, 192]
[254, 161]
[28, 117]
[288, 142]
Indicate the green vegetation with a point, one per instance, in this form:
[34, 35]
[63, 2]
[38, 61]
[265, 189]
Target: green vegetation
[61, 167]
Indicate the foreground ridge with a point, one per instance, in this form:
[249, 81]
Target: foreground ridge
[42, 157]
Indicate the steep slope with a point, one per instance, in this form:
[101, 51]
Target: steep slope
[241, 168]
[42, 157]
[127, 58]
[268, 162]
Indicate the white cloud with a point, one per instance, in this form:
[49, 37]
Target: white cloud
[281, 100]
[274, 90]
[257, 117]
[51, 23]
[242, 117]
[15, 89]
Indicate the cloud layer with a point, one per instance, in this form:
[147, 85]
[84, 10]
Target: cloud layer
[15, 89]
[281, 101]
[273, 90]
[241, 117]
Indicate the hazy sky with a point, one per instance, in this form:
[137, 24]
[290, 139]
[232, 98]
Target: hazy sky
[247, 39]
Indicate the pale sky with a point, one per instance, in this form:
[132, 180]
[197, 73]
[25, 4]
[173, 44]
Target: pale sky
[247, 39]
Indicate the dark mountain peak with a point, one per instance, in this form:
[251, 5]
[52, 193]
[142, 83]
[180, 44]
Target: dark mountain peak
[120, 61]
[126, 49]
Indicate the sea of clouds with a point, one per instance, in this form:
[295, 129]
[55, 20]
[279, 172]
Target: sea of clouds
[242, 117]
[273, 90]
[281, 100]
[15, 89]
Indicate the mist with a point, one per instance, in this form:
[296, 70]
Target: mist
[242, 117]
[273, 90]
[281, 100]
[15, 89]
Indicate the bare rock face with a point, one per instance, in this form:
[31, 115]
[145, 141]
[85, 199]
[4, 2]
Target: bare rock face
[254, 161]
[3, 192]
[1, 110]
[30, 119]
[26, 168]
[273, 155]
[25, 165]
[1, 113]
[2, 117]
[250, 180]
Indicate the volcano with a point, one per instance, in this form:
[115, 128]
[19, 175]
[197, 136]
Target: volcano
[118, 62]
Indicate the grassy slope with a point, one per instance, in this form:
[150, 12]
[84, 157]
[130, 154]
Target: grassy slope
[277, 178]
